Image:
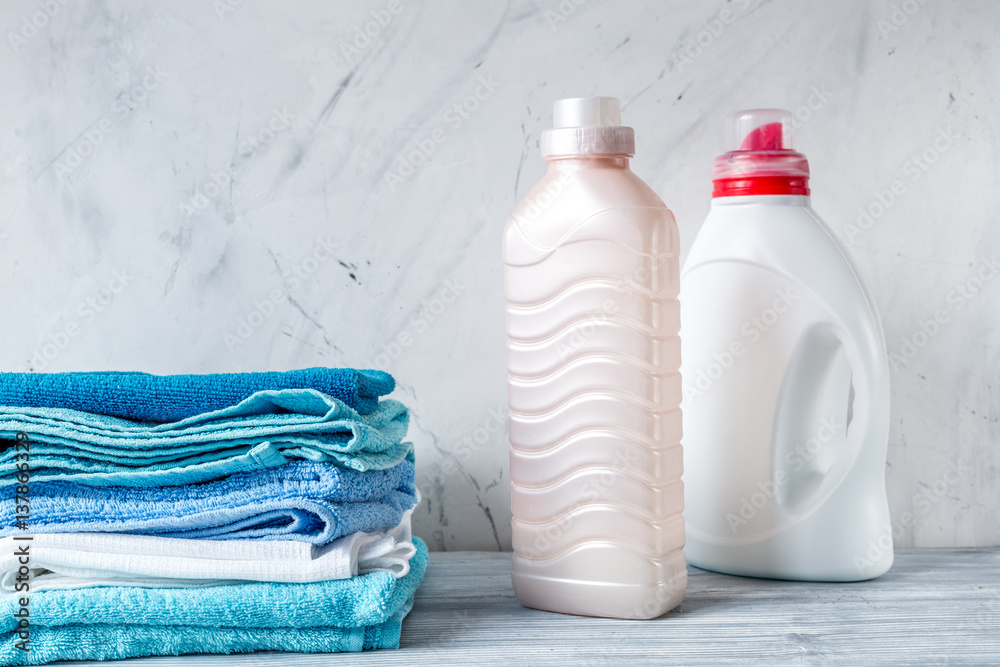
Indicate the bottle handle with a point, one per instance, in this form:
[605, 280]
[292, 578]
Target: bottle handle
[822, 418]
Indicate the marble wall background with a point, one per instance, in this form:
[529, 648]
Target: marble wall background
[222, 185]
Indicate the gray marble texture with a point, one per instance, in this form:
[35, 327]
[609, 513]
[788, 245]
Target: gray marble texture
[225, 185]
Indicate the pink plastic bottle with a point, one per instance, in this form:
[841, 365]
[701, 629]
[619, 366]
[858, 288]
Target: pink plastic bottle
[591, 280]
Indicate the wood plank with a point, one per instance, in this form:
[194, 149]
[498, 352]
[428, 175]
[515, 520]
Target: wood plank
[933, 606]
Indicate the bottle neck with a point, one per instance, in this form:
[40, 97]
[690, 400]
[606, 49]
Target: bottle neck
[577, 162]
[762, 200]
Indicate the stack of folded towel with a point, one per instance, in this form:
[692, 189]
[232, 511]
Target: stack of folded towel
[163, 515]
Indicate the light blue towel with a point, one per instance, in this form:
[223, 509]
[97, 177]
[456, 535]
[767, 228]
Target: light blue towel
[304, 501]
[170, 398]
[111, 623]
[268, 429]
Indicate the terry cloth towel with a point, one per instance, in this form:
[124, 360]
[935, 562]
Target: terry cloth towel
[268, 429]
[82, 560]
[304, 501]
[110, 623]
[170, 398]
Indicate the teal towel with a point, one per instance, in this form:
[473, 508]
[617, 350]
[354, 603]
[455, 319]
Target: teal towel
[112, 623]
[266, 430]
[171, 398]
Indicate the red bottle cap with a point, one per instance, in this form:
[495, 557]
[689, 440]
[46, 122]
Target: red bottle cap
[765, 162]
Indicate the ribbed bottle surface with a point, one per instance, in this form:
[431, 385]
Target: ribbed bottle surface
[595, 425]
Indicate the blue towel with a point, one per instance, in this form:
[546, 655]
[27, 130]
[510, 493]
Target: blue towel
[305, 501]
[266, 430]
[170, 398]
[111, 623]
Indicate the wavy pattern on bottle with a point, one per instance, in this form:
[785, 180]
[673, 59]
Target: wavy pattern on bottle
[593, 447]
[584, 364]
[548, 360]
[596, 412]
[588, 284]
[604, 227]
[543, 333]
[621, 436]
[649, 538]
[650, 553]
[630, 568]
[587, 394]
[595, 425]
[605, 485]
[592, 468]
[656, 390]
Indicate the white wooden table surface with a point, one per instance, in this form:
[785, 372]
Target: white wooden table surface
[935, 606]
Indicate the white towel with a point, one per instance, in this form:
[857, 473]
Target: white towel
[81, 560]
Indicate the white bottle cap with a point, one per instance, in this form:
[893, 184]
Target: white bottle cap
[587, 112]
[588, 126]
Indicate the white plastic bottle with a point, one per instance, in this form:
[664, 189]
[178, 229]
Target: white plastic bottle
[786, 379]
[591, 279]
